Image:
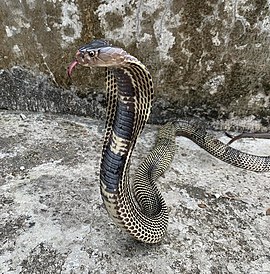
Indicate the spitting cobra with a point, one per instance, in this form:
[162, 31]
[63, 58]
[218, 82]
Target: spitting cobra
[138, 207]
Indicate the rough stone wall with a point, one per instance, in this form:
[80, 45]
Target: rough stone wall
[208, 58]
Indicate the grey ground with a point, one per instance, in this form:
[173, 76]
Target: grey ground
[53, 221]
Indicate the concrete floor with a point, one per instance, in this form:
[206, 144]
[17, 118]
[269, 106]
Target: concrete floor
[52, 219]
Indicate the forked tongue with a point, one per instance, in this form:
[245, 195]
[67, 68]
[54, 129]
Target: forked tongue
[71, 67]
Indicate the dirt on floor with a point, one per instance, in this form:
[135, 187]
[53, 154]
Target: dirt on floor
[52, 219]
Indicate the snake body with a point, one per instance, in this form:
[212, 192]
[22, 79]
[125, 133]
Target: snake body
[138, 207]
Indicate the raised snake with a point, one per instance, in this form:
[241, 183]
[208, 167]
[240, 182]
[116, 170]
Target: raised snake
[138, 207]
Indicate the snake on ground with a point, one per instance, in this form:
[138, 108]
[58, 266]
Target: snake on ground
[138, 207]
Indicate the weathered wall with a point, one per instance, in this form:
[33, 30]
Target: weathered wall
[208, 58]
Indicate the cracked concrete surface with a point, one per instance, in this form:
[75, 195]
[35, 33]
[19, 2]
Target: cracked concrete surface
[52, 219]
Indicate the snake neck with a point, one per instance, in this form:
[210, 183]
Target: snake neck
[129, 105]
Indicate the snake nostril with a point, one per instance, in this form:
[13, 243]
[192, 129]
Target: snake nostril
[80, 54]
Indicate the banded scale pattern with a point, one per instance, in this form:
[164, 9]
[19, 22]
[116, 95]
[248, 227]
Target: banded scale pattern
[220, 150]
[130, 115]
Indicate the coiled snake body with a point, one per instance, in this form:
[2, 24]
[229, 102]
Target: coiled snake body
[139, 208]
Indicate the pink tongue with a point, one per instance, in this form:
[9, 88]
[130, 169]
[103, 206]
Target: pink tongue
[71, 67]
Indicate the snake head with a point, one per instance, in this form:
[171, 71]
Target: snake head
[98, 53]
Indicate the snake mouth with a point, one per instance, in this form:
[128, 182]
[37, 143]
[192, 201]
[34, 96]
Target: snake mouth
[80, 58]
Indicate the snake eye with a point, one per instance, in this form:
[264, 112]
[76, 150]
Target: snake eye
[91, 53]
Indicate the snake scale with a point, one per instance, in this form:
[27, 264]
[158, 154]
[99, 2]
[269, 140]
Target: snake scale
[138, 207]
